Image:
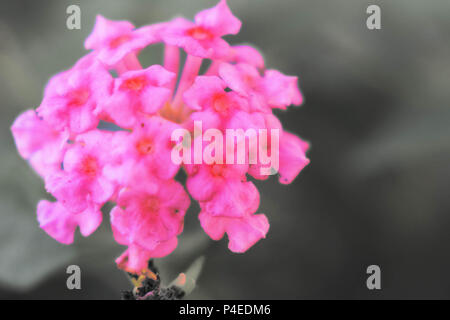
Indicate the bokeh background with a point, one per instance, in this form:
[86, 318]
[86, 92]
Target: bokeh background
[377, 190]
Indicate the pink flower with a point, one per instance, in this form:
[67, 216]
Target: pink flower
[203, 38]
[61, 224]
[242, 233]
[232, 211]
[205, 181]
[274, 90]
[139, 93]
[95, 138]
[82, 183]
[216, 108]
[114, 40]
[281, 90]
[236, 198]
[148, 221]
[73, 98]
[39, 143]
[227, 204]
[149, 145]
[208, 92]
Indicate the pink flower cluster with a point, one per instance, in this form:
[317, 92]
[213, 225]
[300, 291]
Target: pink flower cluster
[85, 164]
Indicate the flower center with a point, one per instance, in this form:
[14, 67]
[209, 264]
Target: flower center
[114, 43]
[89, 166]
[250, 81]
[144, 146]
[221, 103]
[134, 84]
[200, 33]
[78, 97]
[217, 170]
[151, 205]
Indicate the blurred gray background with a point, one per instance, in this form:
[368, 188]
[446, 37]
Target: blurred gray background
[377, 191]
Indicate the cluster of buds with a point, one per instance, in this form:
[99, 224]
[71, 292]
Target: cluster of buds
[107, 130]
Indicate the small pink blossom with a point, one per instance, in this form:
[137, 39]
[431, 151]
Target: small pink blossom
[202, 38]
[39, 143]
[228, 203]
[139, 93]
[61, 224]
[149, 145]
[148, 221]
[273, 90]
[114, 40]
[73, 98]
[205, 181]
[208, 92]
[82, 182]
[242, 233]
[235, 198]
[216, 108]
[234, 214]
